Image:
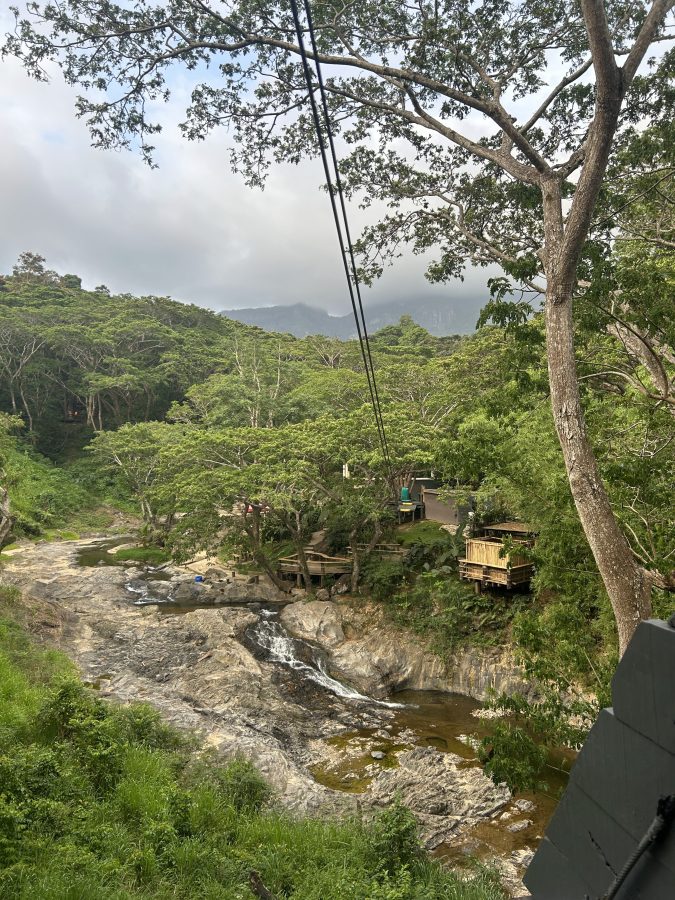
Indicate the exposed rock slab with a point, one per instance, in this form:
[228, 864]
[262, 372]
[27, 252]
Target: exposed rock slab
[191, 666]
[194, 668]
[188, 592]
[381, 659]
[441, 790]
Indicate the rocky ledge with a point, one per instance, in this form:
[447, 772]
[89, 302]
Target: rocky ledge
[444, 793]
[379, 659]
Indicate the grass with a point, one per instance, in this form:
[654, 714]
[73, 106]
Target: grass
[152, 556]
[101, 802]
[424, 532]
[60, 535]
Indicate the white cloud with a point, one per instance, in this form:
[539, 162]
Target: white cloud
[190, 229]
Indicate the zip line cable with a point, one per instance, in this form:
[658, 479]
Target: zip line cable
[340, 192]
[352, 277]
[331, 190]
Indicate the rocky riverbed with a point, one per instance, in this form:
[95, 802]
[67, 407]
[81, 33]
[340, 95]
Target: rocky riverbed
[209, 671]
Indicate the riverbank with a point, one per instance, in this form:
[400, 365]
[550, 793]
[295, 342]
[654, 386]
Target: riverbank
[200, 671]
[104, 801]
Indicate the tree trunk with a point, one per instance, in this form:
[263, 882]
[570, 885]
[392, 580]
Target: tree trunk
[356, 562]
[29, 415]
[264, 563]
[252, 529]
[6, 518]
[146, 511]
[628, 589]
[302, 556]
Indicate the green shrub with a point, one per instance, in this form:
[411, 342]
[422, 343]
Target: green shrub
[240, 785]
[142, 724]
[512, 756]
[394, 838]
[9, 594]
[448, 611]
[383, 577]
[103, 803]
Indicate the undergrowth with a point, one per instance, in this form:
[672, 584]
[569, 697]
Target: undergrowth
[101, 802]
[448, 611]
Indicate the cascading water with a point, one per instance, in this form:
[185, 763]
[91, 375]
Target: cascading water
[279, 647]
[143, 595]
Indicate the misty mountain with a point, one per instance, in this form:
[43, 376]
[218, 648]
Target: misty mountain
[440, 317]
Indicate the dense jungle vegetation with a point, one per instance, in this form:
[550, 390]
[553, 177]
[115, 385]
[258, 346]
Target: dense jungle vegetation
[538, 137]
[223, 437]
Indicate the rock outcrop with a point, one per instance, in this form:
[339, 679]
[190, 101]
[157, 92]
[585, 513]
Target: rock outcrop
[191, 666]
[199, 667]
[316, 621]
[443, 792]
[381, 659]
[188, 592]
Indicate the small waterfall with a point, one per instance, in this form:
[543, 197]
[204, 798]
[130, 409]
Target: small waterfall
[270, 636]
[144, 597]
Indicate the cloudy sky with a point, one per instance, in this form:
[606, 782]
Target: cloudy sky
[190, 229]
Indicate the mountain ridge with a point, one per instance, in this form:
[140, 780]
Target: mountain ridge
[439, 317]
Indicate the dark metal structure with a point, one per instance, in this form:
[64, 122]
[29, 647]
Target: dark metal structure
[613, 834]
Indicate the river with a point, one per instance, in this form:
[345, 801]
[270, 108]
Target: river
[235, 675]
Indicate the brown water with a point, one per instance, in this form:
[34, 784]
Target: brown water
[446, 722]
[98, 552]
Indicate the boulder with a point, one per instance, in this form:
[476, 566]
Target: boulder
[317, 621]
[189, 593]
[216, 573]
[343, 585]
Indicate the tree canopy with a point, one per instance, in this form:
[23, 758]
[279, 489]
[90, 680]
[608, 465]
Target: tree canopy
[244, 446]
[486, 128]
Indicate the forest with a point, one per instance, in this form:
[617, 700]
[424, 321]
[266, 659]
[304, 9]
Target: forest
[534, 137]
[220, 436]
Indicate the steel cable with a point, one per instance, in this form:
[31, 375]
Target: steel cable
[335, 186]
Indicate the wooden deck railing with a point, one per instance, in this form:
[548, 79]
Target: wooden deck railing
[487, 553]
[317, 564]
[381, 549]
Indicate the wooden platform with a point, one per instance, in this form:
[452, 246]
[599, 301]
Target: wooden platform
[319, 564]
[505, 576]
[383, 550]
[487, 561]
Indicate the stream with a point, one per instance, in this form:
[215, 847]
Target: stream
[448, 723]
[350, 760]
